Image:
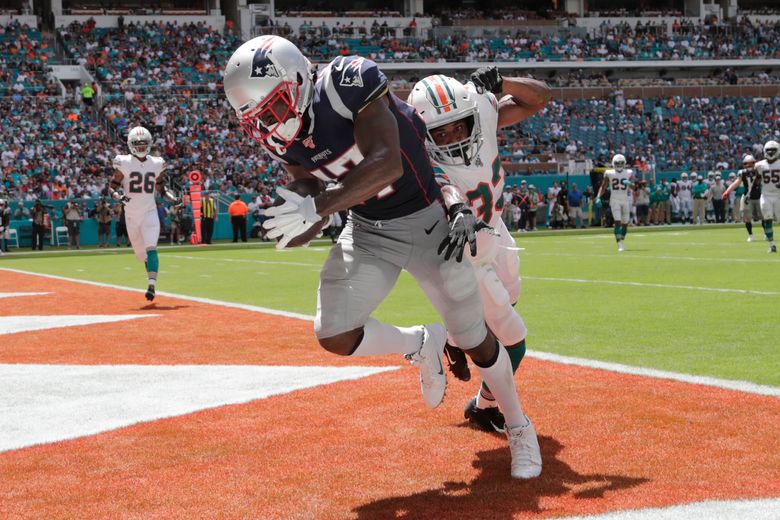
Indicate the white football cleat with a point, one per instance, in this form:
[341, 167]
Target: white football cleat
[524, 448]
[433, 380]
[751, 238]
[620, 246]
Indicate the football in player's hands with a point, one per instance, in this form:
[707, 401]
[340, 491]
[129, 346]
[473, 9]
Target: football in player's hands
[304, 187]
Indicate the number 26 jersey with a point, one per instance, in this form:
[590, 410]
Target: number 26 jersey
[139, 181]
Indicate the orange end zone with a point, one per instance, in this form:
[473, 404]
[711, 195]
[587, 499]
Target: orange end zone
[368, 448]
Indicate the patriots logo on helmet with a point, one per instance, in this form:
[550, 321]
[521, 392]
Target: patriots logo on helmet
[352, 75]
[262, 66]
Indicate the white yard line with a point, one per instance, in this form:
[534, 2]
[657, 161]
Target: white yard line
[741, 386]
[627, 254]
[244, 261]
[659, 285]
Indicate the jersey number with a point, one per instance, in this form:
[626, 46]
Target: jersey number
[617, 185]
[140, 183]
[774, 178]
[342, 164]
[483, 193]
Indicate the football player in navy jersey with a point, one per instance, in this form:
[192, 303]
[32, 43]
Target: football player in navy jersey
[342, 125]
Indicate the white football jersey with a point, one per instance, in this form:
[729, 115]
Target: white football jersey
[619, 190]
[770, 178]
[685, 189]
[483, 180]
[139, 181]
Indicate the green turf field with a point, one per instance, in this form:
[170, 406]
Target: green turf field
[580, 297]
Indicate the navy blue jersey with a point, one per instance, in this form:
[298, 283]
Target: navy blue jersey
[328, 151]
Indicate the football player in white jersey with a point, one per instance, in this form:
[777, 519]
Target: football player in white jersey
[769, 171]
[685, 197]
[619, 180]
[462, 122]
[138, 176]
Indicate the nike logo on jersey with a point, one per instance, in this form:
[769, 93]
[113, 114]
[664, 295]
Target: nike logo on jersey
[430, 230]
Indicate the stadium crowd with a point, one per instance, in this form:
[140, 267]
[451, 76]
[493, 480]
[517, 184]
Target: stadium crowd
[611, 42]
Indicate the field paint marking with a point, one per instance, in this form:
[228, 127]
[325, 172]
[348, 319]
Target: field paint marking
[643, 257]
[50, 403]
[245, 261]
[660, 285]
[198, 299]
[761, 509]
[15, 324]
[17, 294]
[741, 386]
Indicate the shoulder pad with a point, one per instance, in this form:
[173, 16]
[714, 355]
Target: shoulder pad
[352, 82]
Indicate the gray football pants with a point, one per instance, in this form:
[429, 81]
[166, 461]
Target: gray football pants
[365, 263]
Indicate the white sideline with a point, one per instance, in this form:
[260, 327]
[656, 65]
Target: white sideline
[661, 285]
[740, 386]
[761, 509]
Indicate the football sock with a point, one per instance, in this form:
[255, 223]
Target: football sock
[749, 227]
[768, 231]
[152, 264]
[516, 355]
[617, 233]
[497, 372]
[380, 338]
[625, 230]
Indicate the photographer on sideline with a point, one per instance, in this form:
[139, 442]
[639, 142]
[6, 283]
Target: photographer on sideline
[103, 216]
[5, 226]
[38, 224]
[71, 212]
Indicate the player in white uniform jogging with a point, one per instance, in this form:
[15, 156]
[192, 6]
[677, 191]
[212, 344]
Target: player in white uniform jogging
[462, 122]
[769, 171]
[139, 176]
[751, 200]
[619, 181]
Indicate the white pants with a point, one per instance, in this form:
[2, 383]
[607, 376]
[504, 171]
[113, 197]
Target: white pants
[143, 232]
[770, 207]
[620, 211]
[686, 206]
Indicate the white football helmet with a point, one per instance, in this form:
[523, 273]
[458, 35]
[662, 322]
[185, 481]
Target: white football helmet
[270, 85]
[441, 100]
[771, 151]
[139, 140]
[748, 161]
[619, 162]
[683, 176]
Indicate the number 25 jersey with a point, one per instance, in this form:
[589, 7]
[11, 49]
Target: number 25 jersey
[139, 181]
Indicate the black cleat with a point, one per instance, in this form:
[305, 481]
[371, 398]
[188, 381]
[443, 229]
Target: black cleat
[456, 359]
[773, 249]
[488, 419]
[150, 293]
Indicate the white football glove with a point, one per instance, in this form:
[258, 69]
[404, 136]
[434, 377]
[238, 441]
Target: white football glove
[292, 218]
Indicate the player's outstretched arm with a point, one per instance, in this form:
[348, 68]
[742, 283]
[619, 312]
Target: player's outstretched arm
[520, 98]
[733, 186]
[376, 135]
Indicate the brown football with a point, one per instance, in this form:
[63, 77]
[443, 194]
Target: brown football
[303, 187]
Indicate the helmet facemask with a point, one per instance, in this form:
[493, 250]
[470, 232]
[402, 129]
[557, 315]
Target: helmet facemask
[771, 153]
[139, 141]
[460, 152]
[276, 121]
